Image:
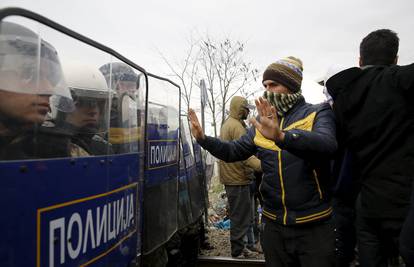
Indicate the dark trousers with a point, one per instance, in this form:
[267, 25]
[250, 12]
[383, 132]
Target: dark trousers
[407, 240]
[308, 245]
[240, 215]
[407, 236]
[344, 218]
[377, 239]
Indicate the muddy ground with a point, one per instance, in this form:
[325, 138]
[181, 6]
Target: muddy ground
[218, 238]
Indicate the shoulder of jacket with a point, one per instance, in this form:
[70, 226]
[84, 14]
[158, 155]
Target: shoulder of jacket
[228, 121]
[321, 107]
[308, 108]
[234, 123]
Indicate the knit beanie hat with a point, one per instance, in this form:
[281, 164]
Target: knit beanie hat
[286, 71]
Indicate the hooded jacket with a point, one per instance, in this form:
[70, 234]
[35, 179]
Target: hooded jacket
[237, 173]
[295, 171]
[375, 121]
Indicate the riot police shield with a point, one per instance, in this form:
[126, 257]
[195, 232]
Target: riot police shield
[195, 176]
[185, 216]
[127, 107]
[69, 200]
[162, 163]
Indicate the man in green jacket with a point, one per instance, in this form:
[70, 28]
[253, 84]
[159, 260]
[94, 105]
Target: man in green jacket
[237, 177]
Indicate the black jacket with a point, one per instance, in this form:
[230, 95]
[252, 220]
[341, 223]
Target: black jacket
[375, 115]
[39, 143]
[295, 172]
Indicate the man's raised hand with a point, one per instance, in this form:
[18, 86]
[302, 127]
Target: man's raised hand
[269, 123]
[196, 129]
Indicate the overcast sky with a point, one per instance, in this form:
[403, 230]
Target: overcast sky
[320, 32]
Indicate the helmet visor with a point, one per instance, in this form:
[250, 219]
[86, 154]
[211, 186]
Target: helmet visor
[29, 65]
[90, 113]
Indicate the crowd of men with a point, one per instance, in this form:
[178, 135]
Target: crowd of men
[334, 176]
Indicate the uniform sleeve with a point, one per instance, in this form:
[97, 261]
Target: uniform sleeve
[230, 151]
[320, 142]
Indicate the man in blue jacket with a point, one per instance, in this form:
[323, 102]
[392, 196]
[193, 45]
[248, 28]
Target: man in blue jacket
[294, 141]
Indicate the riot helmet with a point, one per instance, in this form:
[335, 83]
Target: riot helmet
[29, 64]
[125, 82]
[30, 77]
[120, 76]
[91, 98]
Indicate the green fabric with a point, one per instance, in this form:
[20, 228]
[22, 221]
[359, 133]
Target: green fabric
[282, 102]
[240, 172]
[238, 108]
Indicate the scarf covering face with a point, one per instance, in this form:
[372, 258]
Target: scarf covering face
[282, 102]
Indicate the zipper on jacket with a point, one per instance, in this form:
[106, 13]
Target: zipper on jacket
[317, 184]
[279, 155]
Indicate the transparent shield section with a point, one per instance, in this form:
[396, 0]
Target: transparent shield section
[62, 99]
[207, 160]
[184, 202]
[30, 64]
[87, 123]
[161, 179]
[142, 109]
[195, 175]
[202, 172]
[127, 124]
[127, 106]
[190, 161]
[71, 199]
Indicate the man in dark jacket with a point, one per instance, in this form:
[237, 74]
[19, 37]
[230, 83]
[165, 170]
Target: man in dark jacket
[237, 177]
[406, 237]
[294, 158]
[375, 119]
[344, 193]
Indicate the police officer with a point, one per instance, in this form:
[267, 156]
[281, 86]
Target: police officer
[125, 116]
[30, 79]
[87, 124]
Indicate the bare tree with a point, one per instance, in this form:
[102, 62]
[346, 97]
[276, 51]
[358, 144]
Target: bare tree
[207, 66]
[232, 71]
[222, 66]
[227, 73]
[186, 72]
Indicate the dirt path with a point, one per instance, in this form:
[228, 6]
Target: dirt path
[218, 238]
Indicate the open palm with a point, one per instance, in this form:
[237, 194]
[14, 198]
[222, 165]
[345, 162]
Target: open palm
[196, 129]
[269, 123]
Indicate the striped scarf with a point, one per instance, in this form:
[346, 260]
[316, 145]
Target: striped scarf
[282, 102]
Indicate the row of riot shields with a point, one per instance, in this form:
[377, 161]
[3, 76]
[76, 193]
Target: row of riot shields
[95, 167]
[173, 196]
[162, 159]
[195, 172]
[72, 144]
